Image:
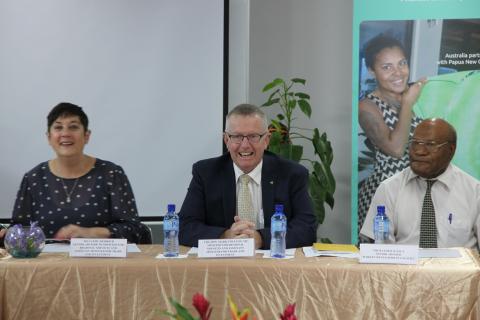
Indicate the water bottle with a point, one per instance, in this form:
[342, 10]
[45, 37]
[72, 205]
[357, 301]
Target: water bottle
[170, 232]
[381, 226]
[278, 228]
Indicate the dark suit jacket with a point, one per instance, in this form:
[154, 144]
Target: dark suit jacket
[210, 204]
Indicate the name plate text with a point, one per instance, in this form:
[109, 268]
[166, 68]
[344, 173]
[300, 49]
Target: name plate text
[226, 248]
[388, 253]
[109, 248]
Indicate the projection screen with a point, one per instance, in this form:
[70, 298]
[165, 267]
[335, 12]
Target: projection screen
[148, 73]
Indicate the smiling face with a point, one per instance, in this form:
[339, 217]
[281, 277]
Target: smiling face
[431, 164]
[391, 70]
[246, 154]
[67, 136]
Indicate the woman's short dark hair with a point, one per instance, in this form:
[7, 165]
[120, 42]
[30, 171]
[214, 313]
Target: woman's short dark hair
[64, 109]
[377, 44]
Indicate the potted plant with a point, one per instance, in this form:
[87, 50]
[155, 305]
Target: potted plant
[287, 98]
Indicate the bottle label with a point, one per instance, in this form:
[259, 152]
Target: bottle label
[278, 226]
[381, 229]
[170, 224]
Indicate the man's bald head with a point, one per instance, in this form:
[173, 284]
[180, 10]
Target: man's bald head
[443, 129]
[432, 147]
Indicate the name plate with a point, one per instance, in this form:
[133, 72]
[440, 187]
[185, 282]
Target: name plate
[388, 253]
[226, 248]
[110, 248]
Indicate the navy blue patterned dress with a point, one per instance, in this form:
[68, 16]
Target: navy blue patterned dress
[385, 166]
[101, 198]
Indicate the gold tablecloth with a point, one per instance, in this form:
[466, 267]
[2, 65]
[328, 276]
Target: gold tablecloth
[54, 286]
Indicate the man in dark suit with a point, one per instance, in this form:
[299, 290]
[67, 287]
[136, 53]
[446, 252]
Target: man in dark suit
[210, 207]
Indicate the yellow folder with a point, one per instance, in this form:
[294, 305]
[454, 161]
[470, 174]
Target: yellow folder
[335, 247]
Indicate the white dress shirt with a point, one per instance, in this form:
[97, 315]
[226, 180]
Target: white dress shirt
[255, 188]
[456, 199]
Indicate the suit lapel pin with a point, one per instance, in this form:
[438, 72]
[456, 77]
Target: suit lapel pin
[271, 182]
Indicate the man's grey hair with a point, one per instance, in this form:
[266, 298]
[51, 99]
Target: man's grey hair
[247, 110]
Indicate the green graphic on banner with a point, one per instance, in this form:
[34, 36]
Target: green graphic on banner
[440, 41]
[455, 97]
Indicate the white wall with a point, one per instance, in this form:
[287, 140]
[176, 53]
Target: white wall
[239, 52]
[310, 39]
[151, 83]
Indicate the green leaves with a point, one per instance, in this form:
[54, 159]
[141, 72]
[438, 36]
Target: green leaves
[182, 312]
[322, 147]
[322, 170]
[305, 107]
[291, 151]
[284, 94]
[298, 80]
[317, 193]
[272, 100]
[302, 95]
[275, 141]
[273, 84]
[285, 149]
[291, 104]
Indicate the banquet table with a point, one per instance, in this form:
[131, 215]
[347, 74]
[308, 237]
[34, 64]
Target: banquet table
[56, 286]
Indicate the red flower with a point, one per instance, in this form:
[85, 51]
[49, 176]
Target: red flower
[289, 313]
[202, 305]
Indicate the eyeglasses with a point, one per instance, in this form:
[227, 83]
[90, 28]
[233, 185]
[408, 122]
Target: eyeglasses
[252, 138]
[431, 146]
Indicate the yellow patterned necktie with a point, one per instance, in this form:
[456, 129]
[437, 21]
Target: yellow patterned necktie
[244, 201]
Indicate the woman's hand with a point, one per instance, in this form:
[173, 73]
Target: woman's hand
[74, 231]
[2, 236]
[410, 96]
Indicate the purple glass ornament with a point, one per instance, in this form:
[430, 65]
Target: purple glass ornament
[24, 242]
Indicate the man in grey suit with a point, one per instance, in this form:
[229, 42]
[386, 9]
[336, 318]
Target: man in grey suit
[210, 209]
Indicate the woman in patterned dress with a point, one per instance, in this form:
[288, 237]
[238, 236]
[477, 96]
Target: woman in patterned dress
[386, 114]
[76, 195]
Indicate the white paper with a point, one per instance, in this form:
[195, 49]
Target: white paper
[60, 247]
[388, 253]
[193, 250]
[132, 247]
[268, 256]
[439, 253]
[56, 247]
[226, 248]
[106, 248]
[289, 254]
[180, 256]
[311, 252]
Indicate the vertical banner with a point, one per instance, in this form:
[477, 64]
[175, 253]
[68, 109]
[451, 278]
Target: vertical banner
[396, 45]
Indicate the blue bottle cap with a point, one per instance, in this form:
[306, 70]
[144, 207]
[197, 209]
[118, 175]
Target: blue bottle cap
[171, 208]
[279, 208]
[381, 210]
